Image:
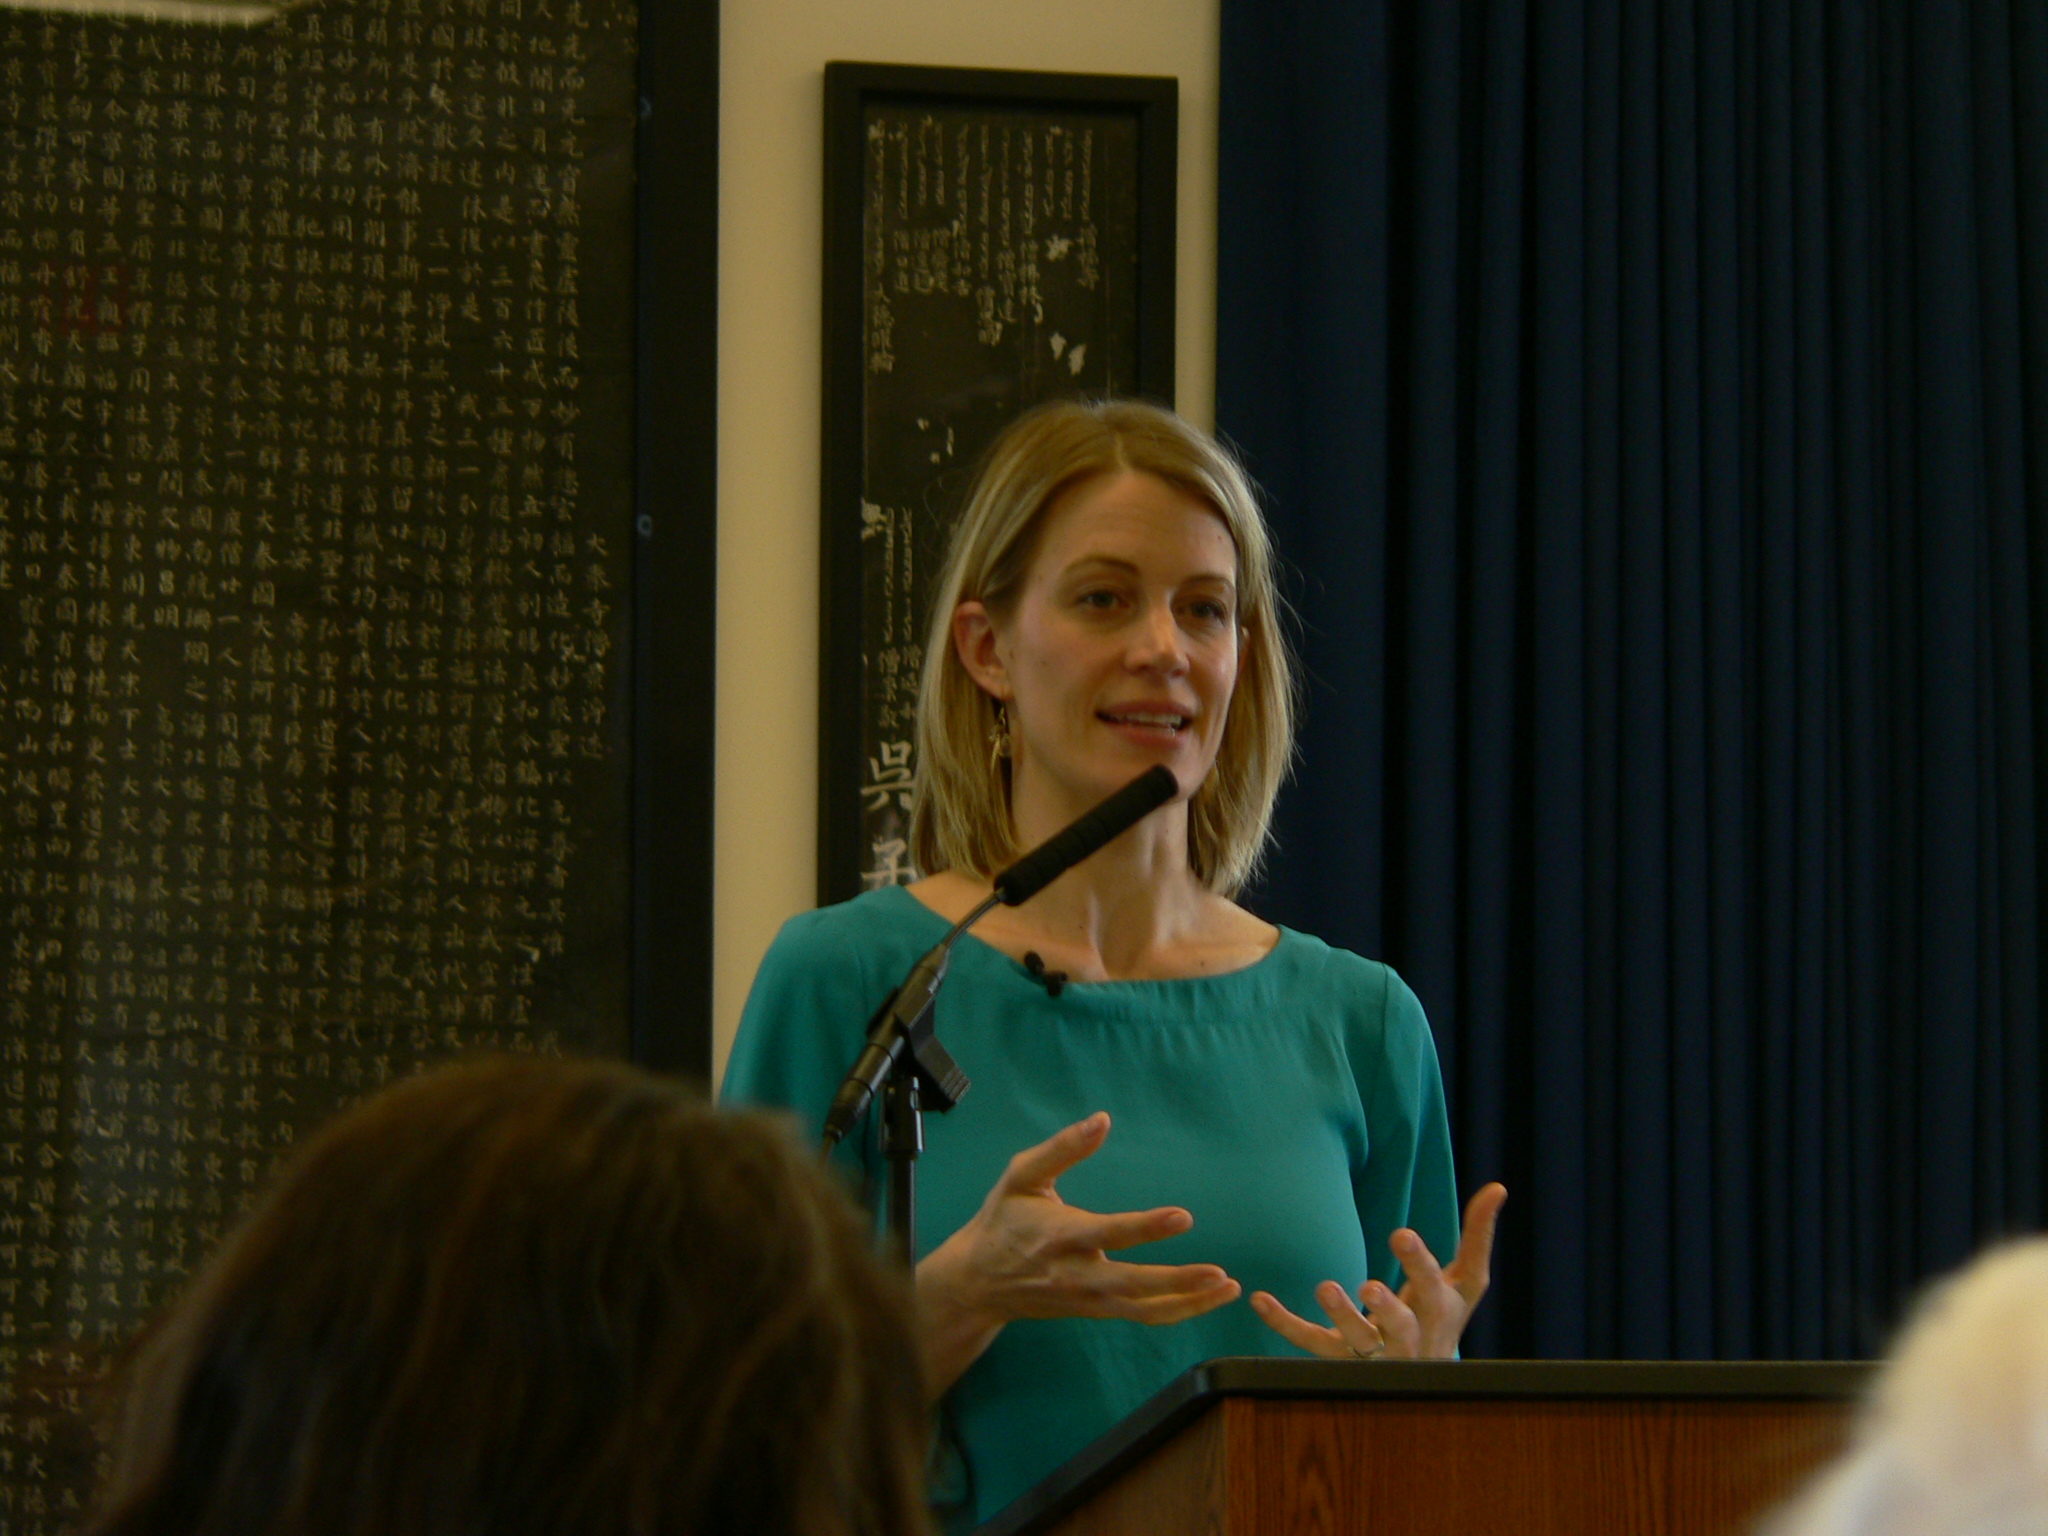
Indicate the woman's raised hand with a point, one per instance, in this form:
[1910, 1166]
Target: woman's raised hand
[1027, 1253]
[1425, 1321]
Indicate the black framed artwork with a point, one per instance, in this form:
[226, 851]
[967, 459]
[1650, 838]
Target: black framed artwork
[993, 239]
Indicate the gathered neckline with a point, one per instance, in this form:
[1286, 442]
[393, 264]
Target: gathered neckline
[1288, 937]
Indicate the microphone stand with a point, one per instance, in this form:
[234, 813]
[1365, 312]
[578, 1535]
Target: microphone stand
[902, 1026]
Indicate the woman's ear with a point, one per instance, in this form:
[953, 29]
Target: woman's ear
[974, 642]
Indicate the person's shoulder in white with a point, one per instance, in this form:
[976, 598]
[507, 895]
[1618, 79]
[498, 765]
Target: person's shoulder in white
[1954, 1438]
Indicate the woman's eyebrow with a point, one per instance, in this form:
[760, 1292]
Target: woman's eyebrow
[1125, 567]
[1081, 562]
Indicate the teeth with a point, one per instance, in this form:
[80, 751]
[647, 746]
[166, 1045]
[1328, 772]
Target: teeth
[1173, 722]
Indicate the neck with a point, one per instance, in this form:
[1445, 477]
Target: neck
[1128, 899]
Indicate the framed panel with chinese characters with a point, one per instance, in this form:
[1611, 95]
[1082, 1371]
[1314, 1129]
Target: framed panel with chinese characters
[993, 239]
[355, 523]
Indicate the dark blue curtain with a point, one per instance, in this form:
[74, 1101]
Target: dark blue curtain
[1652, 400]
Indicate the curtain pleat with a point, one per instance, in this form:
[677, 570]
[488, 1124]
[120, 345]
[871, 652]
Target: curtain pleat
[1652, 401]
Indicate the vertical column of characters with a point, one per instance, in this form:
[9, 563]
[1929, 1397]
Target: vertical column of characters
[436, 719]
[186, 960]
[581, 573]
[497, 639]
[1003, 232]
[888, 551]
[885, 524]
[368, 50]
[65, 434]
[35, 1048]
[885, 130]
[18, 322]
[464, 301]
[517, 536]
[470, 772]
[363, 220]
[287, 822]
[402, 476]
[400, 703]
[470, 906]
[232, 526]
[980, 147]
[384, 701]
[329, 613]
[100, 286]
[15, 880]
[122, 1145]
[255, 443]
[145, 1242]
[236, 449]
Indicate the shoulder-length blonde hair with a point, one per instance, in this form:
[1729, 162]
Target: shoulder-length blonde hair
[960, 812]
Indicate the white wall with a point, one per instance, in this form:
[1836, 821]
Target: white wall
[771, 189]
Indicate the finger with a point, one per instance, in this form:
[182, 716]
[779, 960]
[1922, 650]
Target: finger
[1361, 1335]
[1416, 1259]
[1037, 1166]
[1142, 1282]
[1394, 1318]
[1128, 1229]
[1182, 1305]
[1299, 1331]
[1471, 1271]
[1431, 1303]
[1141, 1293]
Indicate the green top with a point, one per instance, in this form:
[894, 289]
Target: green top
[1293, 1107]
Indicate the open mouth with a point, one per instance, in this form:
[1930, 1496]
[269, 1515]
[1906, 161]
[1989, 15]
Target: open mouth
[1147, 720]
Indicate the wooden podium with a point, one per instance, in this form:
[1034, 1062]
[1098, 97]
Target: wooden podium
[1257, 1447]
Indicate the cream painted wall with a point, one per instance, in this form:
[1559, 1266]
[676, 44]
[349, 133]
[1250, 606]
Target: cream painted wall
[773, 54]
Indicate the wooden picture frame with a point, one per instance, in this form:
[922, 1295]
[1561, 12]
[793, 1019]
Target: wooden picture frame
[993, 239]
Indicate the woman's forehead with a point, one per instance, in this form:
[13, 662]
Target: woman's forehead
[1132, 518]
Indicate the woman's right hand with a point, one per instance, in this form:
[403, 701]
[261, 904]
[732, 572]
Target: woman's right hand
[1027, 1253]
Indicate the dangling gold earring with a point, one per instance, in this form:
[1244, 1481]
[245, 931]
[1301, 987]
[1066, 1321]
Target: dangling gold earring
[999, 739]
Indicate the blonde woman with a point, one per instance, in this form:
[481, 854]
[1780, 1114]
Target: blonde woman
[1279, 1141]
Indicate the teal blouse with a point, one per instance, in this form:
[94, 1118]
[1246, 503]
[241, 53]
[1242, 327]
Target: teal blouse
[1293, 1107]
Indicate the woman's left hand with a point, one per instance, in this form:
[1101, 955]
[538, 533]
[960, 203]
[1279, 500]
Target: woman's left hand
[1425, 1321]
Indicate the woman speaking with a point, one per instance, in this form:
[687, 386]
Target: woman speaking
[1190, 1132]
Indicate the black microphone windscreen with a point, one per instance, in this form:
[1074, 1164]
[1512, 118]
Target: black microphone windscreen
[1063, 850]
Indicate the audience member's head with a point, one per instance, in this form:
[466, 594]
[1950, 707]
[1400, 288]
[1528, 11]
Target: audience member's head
[1954, 1441]
[520, 1296]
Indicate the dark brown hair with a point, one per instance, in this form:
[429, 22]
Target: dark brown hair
[518, 1296]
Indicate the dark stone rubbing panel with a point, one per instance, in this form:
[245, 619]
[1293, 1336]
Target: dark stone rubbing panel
[1000, 270]
[314, 496]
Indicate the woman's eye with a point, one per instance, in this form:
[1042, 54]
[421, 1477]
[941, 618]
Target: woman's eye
[1211, 611]
[1098, 599]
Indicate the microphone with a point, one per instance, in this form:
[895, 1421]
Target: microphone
[1054, 982]
[1063, 850]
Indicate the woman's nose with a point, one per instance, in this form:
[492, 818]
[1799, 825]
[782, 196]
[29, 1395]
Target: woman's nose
[1158, 643]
